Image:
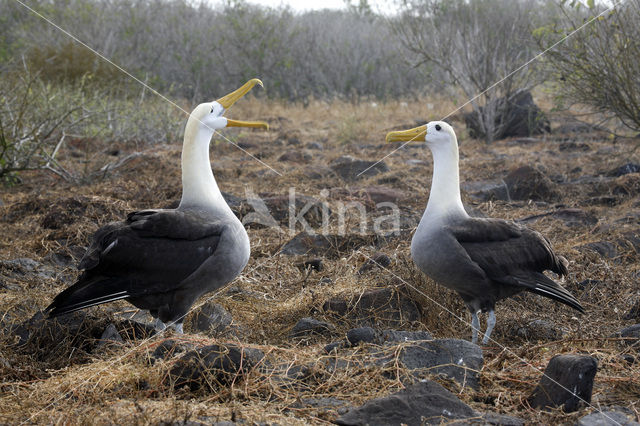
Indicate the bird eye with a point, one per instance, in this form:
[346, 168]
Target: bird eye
[211, 110]
[438, 127]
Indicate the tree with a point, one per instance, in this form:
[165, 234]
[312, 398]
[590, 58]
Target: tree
[477, 45]
[599, 64]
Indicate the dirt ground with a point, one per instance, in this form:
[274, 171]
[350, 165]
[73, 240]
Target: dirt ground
[593, 219]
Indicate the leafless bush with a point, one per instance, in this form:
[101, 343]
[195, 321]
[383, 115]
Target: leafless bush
[38, 118]
[33, 121]
[599, 65]
[476, 44]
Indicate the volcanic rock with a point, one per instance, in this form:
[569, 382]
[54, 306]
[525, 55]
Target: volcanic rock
[457, 359]
[540, 330]
[295, 156]
[380, 306]
[350, 168]
[211, 318]
[310, 327]
[377, 260]
[567, 383]
[487, 190]
[527, 183]
[624, 169]
[326, 245]
[212, 366]
[425, 402]
[615, 416]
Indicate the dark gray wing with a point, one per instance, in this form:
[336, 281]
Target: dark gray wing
[501, 247]
[480, 230]
[174, 224]
[153, 251]
[143, 230]
[513, 255]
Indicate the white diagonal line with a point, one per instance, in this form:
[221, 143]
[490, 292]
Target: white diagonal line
[535, 58]
[133, 77]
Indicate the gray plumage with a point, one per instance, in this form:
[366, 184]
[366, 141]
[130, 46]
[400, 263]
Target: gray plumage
[483, 260]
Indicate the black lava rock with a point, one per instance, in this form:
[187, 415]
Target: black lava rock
[362, 334]
[631, 332]
[614, 416]
[567, 382]
[350, 169]
[528, 183]
[375, 307]
[307, 327]
[634, 312]
[212, 366]
[458, 359]
[110, 336]
[378, 260]
[169, 349]
[422, 403]
[211, 318]
[625, 169]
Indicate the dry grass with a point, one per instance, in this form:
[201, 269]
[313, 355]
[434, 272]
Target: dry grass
[118, 384]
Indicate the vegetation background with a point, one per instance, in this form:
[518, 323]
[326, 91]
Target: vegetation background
[190, 51]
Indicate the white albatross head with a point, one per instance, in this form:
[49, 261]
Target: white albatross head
[444, 197]
[209, 115]
[437, 134]
[199, 187]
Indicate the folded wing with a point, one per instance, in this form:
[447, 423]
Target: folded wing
[513, 255]
[152, 252]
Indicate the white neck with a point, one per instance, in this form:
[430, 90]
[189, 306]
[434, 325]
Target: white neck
[199, 187]
[444, 198]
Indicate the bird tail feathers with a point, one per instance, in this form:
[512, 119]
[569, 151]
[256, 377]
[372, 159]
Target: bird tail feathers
[86, 293]
[540, 284]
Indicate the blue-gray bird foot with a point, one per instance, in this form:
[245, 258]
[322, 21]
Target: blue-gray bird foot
[475, 327]
[177, 327]
[159, 325]
[491, 322]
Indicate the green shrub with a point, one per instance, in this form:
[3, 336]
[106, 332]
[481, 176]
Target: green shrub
[598, 65]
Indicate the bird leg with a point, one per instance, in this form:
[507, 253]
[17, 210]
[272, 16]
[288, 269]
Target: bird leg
[177, 326]
[159, 325]
[475, 327]
[491, 322]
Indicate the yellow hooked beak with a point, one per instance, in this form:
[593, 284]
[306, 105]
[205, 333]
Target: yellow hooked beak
[416, 134]
[230, 99]
[254, 124]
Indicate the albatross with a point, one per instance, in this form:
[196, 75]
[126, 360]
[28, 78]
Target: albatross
[484, 260]
[163, 260]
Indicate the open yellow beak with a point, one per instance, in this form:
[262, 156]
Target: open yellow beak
[254, 124]
[416, 134]
[230, 99]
